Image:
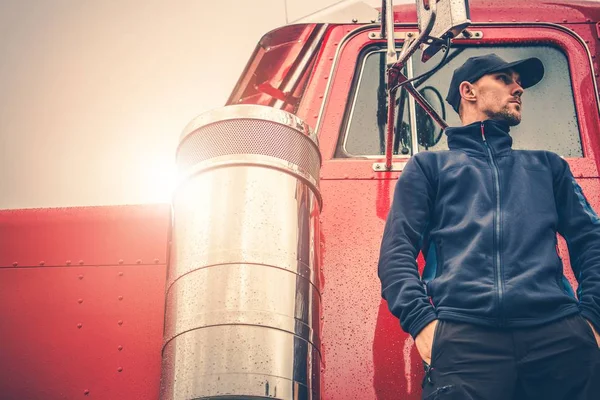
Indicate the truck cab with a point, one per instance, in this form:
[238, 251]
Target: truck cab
[94, 298]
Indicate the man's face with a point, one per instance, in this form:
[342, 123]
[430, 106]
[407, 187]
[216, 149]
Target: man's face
[499, 96]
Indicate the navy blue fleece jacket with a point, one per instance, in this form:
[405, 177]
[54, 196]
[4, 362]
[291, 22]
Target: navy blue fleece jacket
[486, 218]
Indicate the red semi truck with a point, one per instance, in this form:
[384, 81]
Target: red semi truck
[259, 280]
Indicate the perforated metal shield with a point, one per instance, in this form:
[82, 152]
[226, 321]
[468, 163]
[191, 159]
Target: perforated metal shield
[243, 298]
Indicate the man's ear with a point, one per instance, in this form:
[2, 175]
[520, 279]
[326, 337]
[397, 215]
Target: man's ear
[468, 91]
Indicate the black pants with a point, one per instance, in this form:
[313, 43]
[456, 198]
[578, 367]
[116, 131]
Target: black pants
[550, 362]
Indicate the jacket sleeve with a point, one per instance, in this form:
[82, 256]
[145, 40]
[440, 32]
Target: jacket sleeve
[580, 226]
[406, 223]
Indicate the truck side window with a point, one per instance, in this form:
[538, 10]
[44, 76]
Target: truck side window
[549, 119]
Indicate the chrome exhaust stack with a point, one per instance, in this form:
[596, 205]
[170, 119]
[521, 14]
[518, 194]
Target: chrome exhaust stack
[243, 290]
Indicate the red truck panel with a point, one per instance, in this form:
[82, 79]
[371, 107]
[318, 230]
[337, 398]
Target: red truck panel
[91, 331]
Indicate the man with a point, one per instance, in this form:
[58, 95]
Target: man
[492, 316]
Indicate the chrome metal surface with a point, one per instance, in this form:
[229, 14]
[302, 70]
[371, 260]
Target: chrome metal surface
[424, 33]
[257, 160]
[380, 167]
[249, 130]
[266, 364]
[403, 35]
[242, 315]
[452, 17]
[248, 214]
[391, 55]
[290, 84]
[288, 306]
[469, 34]
[394, 72]
[382, 18]
[414, 135]
[408, 46]
[249, 112]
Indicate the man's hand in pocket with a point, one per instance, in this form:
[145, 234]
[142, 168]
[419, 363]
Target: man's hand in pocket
[424, 341]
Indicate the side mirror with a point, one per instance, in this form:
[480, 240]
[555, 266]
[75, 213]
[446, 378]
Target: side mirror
[429, 132]
[452, 17]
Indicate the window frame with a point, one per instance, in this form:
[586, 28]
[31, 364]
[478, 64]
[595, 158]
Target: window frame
[339, 90]
[351, 106]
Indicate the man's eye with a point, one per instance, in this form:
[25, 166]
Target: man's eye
[504, 79]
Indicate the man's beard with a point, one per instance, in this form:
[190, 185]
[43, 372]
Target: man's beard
[512, 119]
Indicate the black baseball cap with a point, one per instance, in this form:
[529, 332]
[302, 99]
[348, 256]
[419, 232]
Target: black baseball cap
[531, 71]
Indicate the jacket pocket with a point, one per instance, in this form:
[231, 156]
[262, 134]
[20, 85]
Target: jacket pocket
[439, 260]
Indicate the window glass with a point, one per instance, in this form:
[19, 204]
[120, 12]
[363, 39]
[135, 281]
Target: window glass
[367, 119]
[548, 120]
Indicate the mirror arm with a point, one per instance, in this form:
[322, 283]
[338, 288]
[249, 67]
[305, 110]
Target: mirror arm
[388, 5]
[394, 74]
[400, 77]
[425, 105]
[383, 17]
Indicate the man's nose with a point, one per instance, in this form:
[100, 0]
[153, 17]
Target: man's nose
[517, 90]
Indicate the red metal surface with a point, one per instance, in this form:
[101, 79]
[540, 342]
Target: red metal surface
[60, 329]
[367, 355]
[309, 108]
[91, 331]
[84, 236]
[268, 67]
[389, 134]
[558, 12]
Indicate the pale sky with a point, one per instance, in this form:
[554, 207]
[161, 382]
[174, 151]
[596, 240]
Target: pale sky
[96, 93]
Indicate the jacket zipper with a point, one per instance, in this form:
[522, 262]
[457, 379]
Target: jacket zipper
[496, 176]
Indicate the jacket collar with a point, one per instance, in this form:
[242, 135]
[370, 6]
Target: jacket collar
[470, 138]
